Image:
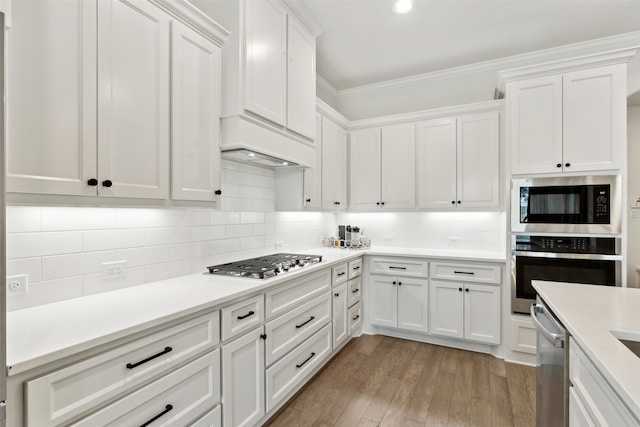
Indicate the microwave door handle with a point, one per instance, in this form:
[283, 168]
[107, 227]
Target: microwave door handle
[556, 339]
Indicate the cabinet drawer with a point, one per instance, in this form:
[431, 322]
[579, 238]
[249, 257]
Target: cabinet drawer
[285, 375]
[210, 419]
[598, 397]
[288, 296]
[242, 316]
[355, 318]
[355, 268]
[287, 331]
[180, 397]
[62, 395]
[339, 274]
[354, 291]
[399, 266]
[466, 272]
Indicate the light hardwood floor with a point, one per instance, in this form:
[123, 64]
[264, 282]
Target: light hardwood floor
[379, 381]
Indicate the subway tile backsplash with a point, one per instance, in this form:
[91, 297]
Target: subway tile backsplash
[62, 249]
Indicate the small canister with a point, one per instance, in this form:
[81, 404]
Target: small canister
[355, 236]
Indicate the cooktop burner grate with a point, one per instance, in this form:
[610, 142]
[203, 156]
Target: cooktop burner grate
[265, 266]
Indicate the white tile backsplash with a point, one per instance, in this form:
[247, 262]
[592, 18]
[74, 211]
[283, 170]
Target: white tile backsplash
[62, 249]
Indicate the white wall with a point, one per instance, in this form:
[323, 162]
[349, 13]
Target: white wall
[62, 248]
[633, 185]
[432, 230]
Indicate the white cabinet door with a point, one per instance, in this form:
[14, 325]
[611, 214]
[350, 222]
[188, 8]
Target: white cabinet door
[482, 313]
[51, 98]
[265, 62]
[436, 163]
[364, 169]
[301, 79]
[478, 164]
[133, 100]
[383, 300]
[340, 319]
[243, 380]
[413, 304]
[334, 166]
[593, 113]
[312, 177]
[446, 301]
[398, 180]
[534, 107]
[195, 115]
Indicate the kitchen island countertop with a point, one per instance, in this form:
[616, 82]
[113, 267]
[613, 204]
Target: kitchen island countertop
[590, 313]
[43, 334]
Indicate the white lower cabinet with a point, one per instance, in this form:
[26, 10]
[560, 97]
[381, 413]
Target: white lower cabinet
[174, 400]
[243, 379]
[465, 310]
[355, 318]
[591, 400]
[340, 321]
[399, 302]
[288, 372]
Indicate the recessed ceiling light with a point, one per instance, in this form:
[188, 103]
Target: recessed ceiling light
[403, 6]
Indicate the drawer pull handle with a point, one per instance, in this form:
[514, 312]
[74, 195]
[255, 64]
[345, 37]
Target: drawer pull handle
[304, 323]
[135, 365]
[355, 291]
[464, 272]
[166, 410]
[341, 274]
[393, 267]
[251, 313]
[356, 318]
[356, 267]
[308, 358]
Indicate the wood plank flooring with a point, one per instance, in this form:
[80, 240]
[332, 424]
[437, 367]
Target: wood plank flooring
[384, 381]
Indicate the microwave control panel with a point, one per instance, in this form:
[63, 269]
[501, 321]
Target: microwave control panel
[562, 244]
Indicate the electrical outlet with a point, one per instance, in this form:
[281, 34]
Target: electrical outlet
[114, 269]
[18, 284]
[454, 241]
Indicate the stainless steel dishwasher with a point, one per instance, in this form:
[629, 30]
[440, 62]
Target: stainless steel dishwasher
[552, 368]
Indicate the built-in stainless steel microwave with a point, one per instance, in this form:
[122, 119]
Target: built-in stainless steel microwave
[576, 204]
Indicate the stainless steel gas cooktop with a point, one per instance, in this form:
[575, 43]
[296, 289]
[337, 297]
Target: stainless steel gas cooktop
[265, 266]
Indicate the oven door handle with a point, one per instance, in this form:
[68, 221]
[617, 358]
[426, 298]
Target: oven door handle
[556, 339]
[565, 255]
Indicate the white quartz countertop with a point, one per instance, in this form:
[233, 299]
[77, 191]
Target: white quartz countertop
[590, 313]
[45, 334]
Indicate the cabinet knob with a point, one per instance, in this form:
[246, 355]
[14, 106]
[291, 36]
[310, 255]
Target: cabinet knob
[308, 200]
[559, 165]
[107, 183]
[217, 192]
[336, 203]
[382, 203]
[466, 289]
[459, 202]
[394, 283]
[399, 283]
[378, 203]
[92, 182]
[263, 336]
[460, 289]
[453, 202]
[336, 295]
[566, 165]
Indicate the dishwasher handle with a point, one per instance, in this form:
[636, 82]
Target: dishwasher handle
[556, 339]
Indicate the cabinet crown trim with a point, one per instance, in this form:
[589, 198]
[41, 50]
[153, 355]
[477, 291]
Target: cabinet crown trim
[193, 17]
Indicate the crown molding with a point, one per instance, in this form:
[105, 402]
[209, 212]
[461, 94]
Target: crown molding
[304, 15]
[327, 111]
[590, 47]
[194, 18]
[324, 83]
[476, 107]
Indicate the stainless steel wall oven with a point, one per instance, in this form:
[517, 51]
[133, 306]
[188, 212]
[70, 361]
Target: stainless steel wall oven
[588, 260]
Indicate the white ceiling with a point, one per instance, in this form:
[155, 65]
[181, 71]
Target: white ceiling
[364, 42]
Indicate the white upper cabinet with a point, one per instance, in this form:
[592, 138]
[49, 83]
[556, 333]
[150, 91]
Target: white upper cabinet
[301, 79]
[458, 161]
[382, 168]
[334, 166]
[312, 178]
[195, 115]
[265, 59]
[51, 98]
[133, 100]
[571, 122]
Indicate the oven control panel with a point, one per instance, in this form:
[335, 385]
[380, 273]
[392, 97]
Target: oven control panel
[562, 244]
